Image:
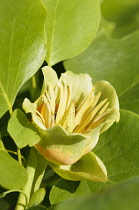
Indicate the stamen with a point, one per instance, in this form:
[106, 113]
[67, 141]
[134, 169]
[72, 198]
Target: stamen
[97, 122]
[101, 112]
[68, 118]
[100, 117]
[93, 103]
[44, 110]
[47, 115]
[69, 91]
[52, 103]
[38, 113]
[84, 107]
[80, 128]
[52, 98]
[62, 101]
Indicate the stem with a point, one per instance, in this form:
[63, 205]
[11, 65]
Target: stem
[10, 191]
[36, 166]
[15, 153]
[19, 156]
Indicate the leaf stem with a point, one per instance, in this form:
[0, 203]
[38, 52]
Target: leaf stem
[15, 153]
[19, 156]
[36, 166]
[10, 191]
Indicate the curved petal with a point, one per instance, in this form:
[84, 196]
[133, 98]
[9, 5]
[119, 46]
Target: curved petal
[89, 167]
[108, 91]
[50, 77]
[31, 108]
[81, 85]
[60, 147]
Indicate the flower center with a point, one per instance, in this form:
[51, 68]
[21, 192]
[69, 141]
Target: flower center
[62, 109]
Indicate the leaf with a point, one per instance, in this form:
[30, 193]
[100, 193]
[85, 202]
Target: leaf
[120, 152]
[12, 174]
[112, 198]
[37, 197]
[22, 131]
[65, 189]
[113, 60]
[118, 149]
[70, 27]
[130, 100]
[123, 13]
[22, 46]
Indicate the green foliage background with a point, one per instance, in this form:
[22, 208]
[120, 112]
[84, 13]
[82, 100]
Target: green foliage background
[100, 38]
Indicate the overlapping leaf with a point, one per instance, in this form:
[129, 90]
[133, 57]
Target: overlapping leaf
[123, 13]
[113, 198]
[12, 174]
[22, 46]
[70, 27]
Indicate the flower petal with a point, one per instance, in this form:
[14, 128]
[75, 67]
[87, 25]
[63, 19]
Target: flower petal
[89, 167]
[81, 85]
[61, 147]
[50, 77]
[31, 108]
[108, 91]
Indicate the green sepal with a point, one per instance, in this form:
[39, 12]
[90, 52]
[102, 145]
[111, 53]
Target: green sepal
[61, 147]
[89, 167]
[22, 131]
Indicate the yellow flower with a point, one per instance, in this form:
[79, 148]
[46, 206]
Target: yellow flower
[70, 115]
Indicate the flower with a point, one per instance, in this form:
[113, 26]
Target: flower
[70, 114]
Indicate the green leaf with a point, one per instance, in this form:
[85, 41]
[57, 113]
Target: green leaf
[130, 100]
[111, 60]
[123, 13]
[68, 188]
[22, 131]
[12, 174]
[118, 148]
[37, 197]
[70, 27]
[22, 46]
[89, 167]
[112, 198]
[65, 189]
